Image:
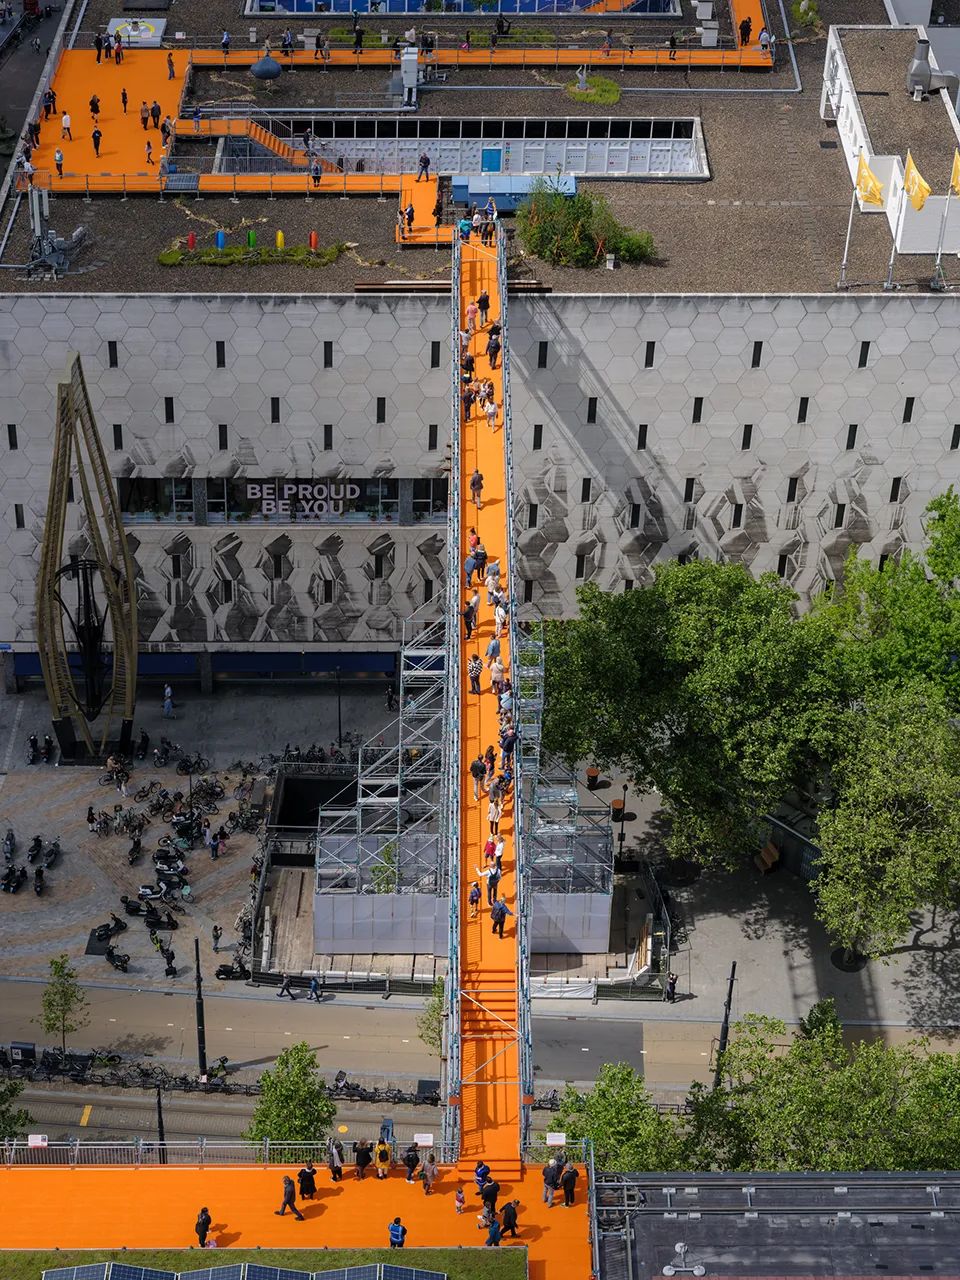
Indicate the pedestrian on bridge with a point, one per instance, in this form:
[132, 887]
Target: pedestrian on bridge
[307, 1179]
[96, 138]
[398, 1234]
[499, 915]
[335, 1160]
[124, 100]
[474, 900]
[551, 1181]
[480, 1174]
[429, 1173]
[286, 987]
[411, 1158]
[494, 1234]
[202, 1226]
[171, 67]
[478, 770]
[568, 1181]
[474, 671]
[155, 113]
[65, 126]
[289, 1200]
[383, 1158]
[424, 166]
[483, 303]
[509, 1217]
[488, 1194]
[476, 488]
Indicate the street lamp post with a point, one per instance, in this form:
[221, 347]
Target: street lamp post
[190, 808]
[623, 818]
[201, 1028]
[339, 713]
[161, 1137]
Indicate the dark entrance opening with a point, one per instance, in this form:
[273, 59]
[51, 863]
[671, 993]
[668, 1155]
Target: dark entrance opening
[300, 796]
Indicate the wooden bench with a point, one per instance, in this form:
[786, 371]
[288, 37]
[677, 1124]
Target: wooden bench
[767, 859]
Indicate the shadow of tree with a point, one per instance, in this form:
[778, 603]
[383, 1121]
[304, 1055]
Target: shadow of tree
[930, 983]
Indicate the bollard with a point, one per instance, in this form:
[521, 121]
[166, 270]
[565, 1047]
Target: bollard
[251, 239]
[314, 241]
[191, 241]
[280, 240]
[221, 240]
[233, 198]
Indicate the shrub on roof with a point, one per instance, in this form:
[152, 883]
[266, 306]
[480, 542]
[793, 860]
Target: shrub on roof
[238, 255]
[600, 90]
[576, 231]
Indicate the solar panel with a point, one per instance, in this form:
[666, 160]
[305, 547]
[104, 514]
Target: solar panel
[371, 1272]
[232, 1272]
[390, 1272]
[124, 1271]
[89, 1271]
[255, 1271]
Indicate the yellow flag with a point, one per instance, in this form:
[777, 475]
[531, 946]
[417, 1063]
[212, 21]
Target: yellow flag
[955, 173]
[869, 186]
[917, 190]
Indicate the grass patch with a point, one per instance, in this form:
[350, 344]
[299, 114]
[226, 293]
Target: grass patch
[576, 231]
[239, 256]
[478, 39]
[459, 1264]
[602, 92]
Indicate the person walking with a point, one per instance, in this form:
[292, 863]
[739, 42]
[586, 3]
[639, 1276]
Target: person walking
[144, 114]
[117, 50]
[225, 43]
[468, 616]
[124, 100]
[171, 67]
[202, 1226]
[746, 26]
[96, 138]
[289, 1200]
[483, 305]
[58, 161]
[382, 1159]
[363, 1158]
[307, 1181]
[65, 126]
[494, 814]
[498, 914]
[313, 992]
[315, 173]
[508, 1218]
[494, 1234]
[469, 565]
[476, 488]
[217, 935]
[423, 170]
[473, 898]
[488, 1194]
[409, 214]
[478, 771]
[95, 108]
[148, 150]
[551, 1181]
[471, 313]
[459, 1200]
[335, 1160]
[429, 1173]
[671, 991]
[492, 877]
[167, 691]
[286, 987]
[398, 1234]
[474, 672]
[411, 1159]
[568, 1182]
[155, 113]
[481, 1173]
[493, 349]
[98, 45]
[317, 45]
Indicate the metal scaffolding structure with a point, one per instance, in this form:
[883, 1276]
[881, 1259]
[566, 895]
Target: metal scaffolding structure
[569, 836]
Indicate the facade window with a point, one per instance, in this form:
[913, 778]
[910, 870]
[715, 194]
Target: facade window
[538, 436]
[697, 409]
[12, 436]
[533, 511]
[381, 408]
[955, 438]
[581, 566]
[18, 514]
[783, 564]
[592, 409]
[736, 518]
[327, 437]
[542, 348]
[757, 355]
[143, 499]
[527, 590]
[864, 355]
[684, 557]
[642, 436]
[688, 488]
[895, 488]
[636, 513]
[226, 590]
[792, 488]
[113, 358]
[431, 437]
[802, 410]
[746, 439]
[276, 567]
[908, 408]
[327, 591]
[585, 489]
[839, 514]
[434, 355]
[378, 565]
[223, 437]
[649, 355]
[852, 436]
[429, 497]
[176, 566]
[627, 585]
[117, 435]
[274, 409]
[884, 557]
[168, 409]
[427, 590]
[328, 355]
[221, 354]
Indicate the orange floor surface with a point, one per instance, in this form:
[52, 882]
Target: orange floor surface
[104, 1208]
[749, 58]
[423, 196]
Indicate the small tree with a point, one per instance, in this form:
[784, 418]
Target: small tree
[64, 1004]
[623, 1123]
[294, 1105]
[576, 231]
[430, 1021]
[12, 1122]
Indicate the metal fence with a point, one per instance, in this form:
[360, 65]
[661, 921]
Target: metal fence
[200, 1153]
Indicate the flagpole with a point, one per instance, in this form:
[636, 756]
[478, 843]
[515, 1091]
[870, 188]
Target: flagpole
[842, 282]
[938, 284]
[898, 227]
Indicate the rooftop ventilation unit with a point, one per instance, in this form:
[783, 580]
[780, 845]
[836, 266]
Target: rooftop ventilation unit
[922, 77]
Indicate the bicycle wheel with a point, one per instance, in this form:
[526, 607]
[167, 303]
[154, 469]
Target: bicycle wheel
[201, 764]
[105, 780]
[210, 807]
[167, 814]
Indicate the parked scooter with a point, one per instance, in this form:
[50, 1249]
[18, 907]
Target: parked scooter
[46, 751]
[162, 754]
[13, 878]
[117, 958]
[143, 745]
[9, 845]
[36, 848]
[52, 854]
[106, 931]
[155, 921]
[33, 749]
[38, 881]
[135, 850]
[235, 971]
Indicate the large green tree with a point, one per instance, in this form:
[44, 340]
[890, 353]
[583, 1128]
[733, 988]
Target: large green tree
[621, 1120]
[294, 1104]
[890, 839]
[704, 686]
[14, 1121]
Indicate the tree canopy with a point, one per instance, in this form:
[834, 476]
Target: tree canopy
[13, 1120]
[786, 1102]
[714, 689]
[64, 1005]
[294, 1104]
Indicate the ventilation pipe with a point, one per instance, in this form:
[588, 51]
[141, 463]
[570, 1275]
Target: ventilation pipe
[922, 76]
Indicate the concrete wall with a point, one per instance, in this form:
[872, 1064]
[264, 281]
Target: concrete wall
[380, 923]
[704, 347]
[570, 923]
